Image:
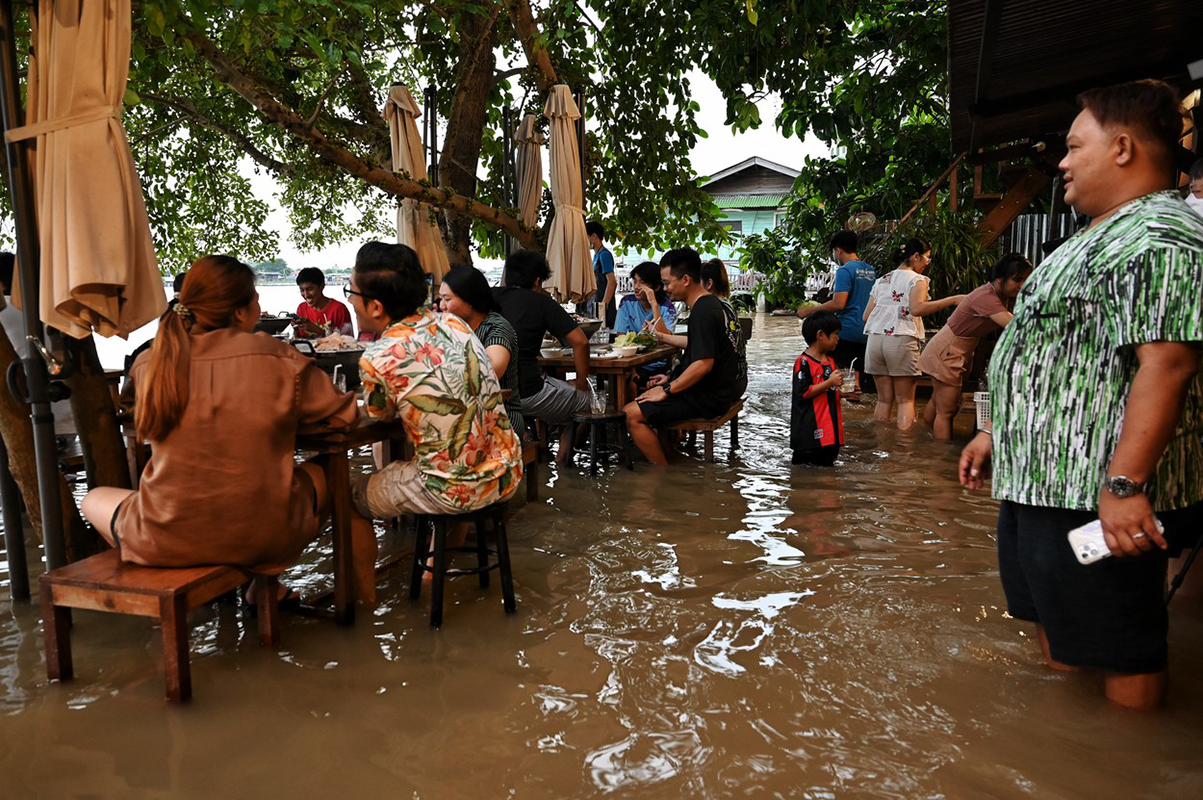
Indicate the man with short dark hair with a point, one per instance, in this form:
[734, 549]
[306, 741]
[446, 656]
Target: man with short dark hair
[430, 371]
[603, 273]
[850, 294]
[322, 314]
[534, 313]
[1097, 401]
[705, 382]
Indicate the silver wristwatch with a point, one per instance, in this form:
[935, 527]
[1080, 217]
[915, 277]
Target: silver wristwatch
[1123, 486]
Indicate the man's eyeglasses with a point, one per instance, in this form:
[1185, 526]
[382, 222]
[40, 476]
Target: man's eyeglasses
[348, 292]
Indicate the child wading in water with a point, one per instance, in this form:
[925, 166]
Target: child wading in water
[816, 429]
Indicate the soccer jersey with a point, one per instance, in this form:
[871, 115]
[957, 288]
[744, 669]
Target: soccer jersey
[814, 421]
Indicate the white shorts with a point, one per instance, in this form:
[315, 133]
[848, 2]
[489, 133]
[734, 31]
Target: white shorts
[895, 356]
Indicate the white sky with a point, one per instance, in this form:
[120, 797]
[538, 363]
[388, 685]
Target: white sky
[722, 149]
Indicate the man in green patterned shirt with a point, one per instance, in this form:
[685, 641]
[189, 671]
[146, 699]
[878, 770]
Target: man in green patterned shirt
[1097, 404]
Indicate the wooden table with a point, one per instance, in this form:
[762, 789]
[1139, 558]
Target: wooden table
[337, 446]
[618, 371]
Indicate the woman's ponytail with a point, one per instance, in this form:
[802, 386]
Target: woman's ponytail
[215, 287]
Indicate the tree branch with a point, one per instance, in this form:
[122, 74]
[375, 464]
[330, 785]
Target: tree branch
[243, 142]
[507, 74]
[528, 34]
[388, 182]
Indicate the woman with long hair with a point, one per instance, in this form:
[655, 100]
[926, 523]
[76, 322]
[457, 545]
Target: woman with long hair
[894, 324]
[949, 354]
[221, 406]
[465, 293]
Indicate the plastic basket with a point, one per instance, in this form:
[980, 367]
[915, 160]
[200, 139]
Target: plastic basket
[982, 401]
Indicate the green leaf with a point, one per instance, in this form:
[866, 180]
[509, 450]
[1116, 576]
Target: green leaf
[462, 430]
[434, 404]
[472, 366]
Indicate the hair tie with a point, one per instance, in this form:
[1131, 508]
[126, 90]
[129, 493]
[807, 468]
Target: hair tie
[182, 310]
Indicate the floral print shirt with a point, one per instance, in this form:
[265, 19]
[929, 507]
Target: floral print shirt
[432, 372]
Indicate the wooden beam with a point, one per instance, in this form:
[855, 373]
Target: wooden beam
[931, 190]
[1012, 204]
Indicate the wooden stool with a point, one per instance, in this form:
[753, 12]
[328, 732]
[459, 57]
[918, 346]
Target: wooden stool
[597, 425]
[439, 570]
[104, 582]
[709, 426]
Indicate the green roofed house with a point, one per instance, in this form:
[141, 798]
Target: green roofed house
[752, 196]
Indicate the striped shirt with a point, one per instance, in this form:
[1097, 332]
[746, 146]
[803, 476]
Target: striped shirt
[495, 329]
[1062, 370]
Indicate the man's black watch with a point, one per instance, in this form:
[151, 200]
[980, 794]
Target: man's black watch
[668, 387]
[1123, 486]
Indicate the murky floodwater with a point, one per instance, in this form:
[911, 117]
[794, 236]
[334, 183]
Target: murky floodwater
[739, 629]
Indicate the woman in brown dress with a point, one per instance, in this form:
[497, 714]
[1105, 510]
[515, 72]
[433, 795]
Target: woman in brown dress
[949, 354]
[221, 407]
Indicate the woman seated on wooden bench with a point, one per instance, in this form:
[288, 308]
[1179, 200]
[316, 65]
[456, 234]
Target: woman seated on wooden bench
[221, 407]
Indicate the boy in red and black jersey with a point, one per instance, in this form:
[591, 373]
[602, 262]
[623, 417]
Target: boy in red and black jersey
[816, 429]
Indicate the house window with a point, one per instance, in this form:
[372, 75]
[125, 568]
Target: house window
[735, 226]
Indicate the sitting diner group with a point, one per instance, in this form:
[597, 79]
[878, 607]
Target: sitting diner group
[221, 406]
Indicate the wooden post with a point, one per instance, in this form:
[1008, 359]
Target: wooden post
[177, 669]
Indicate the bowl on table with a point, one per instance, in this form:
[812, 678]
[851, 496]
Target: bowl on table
[553, 352]
[626, 350]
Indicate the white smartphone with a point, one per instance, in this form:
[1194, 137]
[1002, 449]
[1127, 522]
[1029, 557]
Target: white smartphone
[1088, 543]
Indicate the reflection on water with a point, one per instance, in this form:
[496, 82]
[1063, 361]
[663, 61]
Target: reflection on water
[744, 628]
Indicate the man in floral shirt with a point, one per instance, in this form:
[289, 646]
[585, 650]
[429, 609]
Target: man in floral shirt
[430, 371]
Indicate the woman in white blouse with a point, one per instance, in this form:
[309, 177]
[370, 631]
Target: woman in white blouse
[894, 324]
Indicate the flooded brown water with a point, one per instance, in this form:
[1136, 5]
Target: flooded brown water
[740, 629]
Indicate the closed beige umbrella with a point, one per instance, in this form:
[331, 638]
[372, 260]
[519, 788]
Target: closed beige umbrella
[529, 165]
[98, 268]
[415, 225]
[567, 244]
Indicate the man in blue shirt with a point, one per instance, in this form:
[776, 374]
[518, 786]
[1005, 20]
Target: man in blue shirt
[849, 296]
[603, 272]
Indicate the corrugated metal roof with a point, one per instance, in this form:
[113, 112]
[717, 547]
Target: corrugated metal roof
[749, 200]
[1042, 53]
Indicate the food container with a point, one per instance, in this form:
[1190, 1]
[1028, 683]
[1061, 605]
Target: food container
[273, 325]
[626, 350]
[554, 352]
[327, 360]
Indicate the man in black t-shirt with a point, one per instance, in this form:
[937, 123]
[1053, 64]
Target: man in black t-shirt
[704, 383]
[533, 313]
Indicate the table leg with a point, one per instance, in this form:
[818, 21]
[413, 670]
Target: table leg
[620, 391]
[338, 483]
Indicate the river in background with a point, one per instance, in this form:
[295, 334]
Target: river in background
[740, 629]
[274, 299]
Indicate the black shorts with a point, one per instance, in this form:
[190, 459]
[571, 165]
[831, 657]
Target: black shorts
[680, 407]
[824, 456]
[1109, 615]
[843, 354]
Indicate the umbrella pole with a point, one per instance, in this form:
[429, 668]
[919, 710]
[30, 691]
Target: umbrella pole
[37, 380]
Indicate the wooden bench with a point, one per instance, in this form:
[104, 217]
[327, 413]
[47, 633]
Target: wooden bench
[105, 583]
[709, 426]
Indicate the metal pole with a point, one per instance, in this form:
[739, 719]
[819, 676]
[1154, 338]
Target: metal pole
[20, 187]
[508, 180]
[14, 531]
[432, 135]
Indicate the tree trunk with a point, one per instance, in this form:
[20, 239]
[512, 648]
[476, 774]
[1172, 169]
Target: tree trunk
[465, 126]
[17, 430]
[96, 417]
